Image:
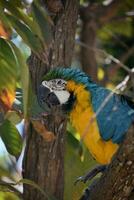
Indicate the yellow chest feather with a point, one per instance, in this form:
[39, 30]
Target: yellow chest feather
[80, 117]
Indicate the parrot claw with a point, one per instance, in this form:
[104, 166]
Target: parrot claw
[91, 174]
[80, 179]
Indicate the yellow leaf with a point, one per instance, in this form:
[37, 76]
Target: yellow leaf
[4, 32]
[7, 98]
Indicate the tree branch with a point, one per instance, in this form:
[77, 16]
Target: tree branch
[108, 12]
[124, 57]
[114, 67]
[117, 183]
[99, 12]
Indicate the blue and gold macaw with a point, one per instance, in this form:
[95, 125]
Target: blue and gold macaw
[77, 94]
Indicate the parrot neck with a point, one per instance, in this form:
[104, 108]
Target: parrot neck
[82, 96]
[82, 110]
[81, 114]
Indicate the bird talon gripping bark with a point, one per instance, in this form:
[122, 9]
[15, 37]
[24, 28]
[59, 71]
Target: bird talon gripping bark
[80, 179]
[91, 174]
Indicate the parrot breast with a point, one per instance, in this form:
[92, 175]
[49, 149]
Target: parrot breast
[81, 118]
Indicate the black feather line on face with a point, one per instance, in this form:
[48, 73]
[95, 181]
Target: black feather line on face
[70, 103]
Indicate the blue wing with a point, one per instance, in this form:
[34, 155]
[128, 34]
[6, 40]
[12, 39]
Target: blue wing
[116, 117]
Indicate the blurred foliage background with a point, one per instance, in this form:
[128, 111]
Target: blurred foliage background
[104, 45]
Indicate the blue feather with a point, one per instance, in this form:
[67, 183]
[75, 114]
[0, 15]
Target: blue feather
[115, 118]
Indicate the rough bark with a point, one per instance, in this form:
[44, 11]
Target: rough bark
[117, 183]
[44, 161]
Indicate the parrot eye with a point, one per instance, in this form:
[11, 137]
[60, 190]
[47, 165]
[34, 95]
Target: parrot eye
[59, 82]
[55, 84]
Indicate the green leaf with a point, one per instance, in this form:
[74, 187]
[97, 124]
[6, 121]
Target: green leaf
[24, 78]
[20, 15]
[43, 21]
[15, 3]
[11, 138]
[13, 117]
[11, 63]
[7, 53]
[8, 195]
[8, 76]
[4, 18]
[36, 31]
[27, 35]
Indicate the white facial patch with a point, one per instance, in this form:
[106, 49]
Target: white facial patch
[55, 84]
[58, 87]
[62, 95]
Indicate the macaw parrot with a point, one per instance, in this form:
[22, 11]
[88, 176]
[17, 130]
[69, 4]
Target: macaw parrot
[81, 98]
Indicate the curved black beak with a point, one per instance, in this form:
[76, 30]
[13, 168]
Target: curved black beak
[47, 98]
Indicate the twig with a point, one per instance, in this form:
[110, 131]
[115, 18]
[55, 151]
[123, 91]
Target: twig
[111, 57]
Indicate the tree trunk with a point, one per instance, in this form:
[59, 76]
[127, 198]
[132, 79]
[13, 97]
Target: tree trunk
[44, 161]
[88, 56]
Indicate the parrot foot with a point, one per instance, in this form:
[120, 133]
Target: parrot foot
[91, 174]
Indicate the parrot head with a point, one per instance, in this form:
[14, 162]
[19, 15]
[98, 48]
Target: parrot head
[53, 93]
